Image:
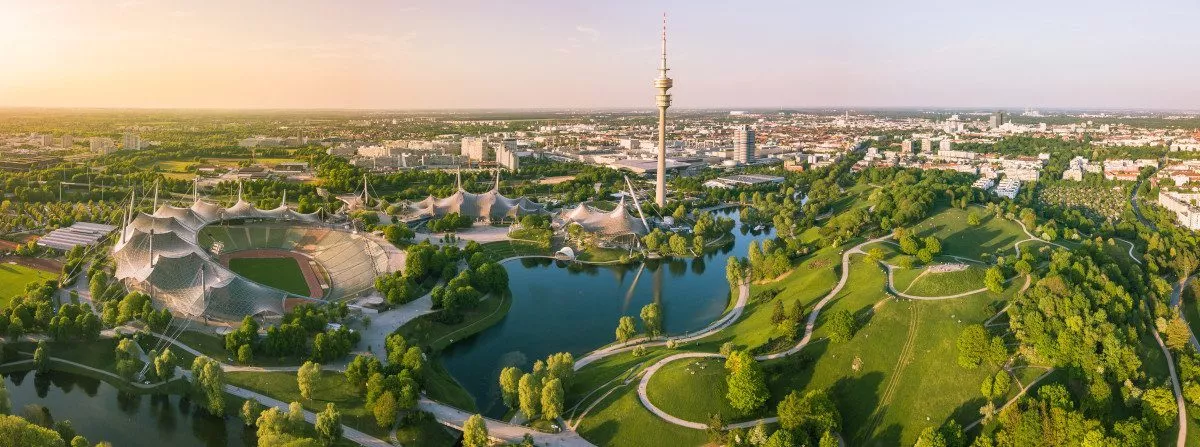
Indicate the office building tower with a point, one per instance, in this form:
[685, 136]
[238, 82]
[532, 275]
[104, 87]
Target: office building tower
[743, 144]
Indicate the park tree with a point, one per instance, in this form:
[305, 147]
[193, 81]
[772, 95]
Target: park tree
[208, 384]
[1159, 407]
[552, 399]
[510, 382]
[652, 319]
[626, 329]
[360, 369]
[747, 388]
[41, 358]
[529, 395]
[828, 440]
[994, 279]
[5, 399]
[781, 438]
[778, 314]
[758, 435]
[972, 346]
[329, 425]
[127, 358]
[1179, 335]
[909, 245]
[875, 254]
[475, 432]
[251, 410]
[812, 413]
[385, 410]
[933, 245]
[924, 255]
[307, 377]
[164, 365]
[973, 218]
[842, 326]
[1184, 263]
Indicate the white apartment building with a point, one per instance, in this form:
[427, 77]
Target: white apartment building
[945, 145]
[474, 148]
[1008, 188]
[101, 145]
[131, 141]
[1184, 207]
[983, 183]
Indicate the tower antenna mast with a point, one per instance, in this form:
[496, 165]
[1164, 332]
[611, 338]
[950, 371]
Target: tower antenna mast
[663, 100]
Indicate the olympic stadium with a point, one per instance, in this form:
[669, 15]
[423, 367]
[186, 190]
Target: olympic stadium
[186, 258]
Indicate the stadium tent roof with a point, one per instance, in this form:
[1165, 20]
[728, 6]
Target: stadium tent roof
[160, 252]
[617, 222]
[490, 205]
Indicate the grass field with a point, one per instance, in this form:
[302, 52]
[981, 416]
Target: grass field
[946, 283]
[993, 235]
[673, 389]
[281, 273]
[330, 388]
[14, 278]
[508, 249]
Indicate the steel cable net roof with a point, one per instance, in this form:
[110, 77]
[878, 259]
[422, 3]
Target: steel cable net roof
[490, 205]
[161, 253]
[617, 222]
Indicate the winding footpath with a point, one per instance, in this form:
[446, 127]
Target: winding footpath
[809, 326]
[1176, 291]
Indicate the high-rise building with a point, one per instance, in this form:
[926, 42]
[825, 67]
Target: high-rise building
[926, 145]
[945, 145]
[101, 145]
[663, 100]
[906, 146]
[43, 140]
[507, 158]
[474, 148]
[996, 120]
[131, 142]
[67, 141]
[743, 144]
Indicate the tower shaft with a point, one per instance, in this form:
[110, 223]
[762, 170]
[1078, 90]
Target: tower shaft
[663, 100]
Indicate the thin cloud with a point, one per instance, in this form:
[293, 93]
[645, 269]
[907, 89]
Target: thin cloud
[589, 31]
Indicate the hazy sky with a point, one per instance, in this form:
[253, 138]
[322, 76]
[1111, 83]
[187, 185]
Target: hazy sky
[563, 53]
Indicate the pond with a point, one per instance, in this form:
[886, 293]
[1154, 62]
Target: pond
[101, 412]
[574, 308]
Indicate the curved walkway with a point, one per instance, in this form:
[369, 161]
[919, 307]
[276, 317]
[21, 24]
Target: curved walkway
[809, 326]
[891, 286]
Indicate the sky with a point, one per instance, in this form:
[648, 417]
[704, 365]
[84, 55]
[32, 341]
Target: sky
[452, 54]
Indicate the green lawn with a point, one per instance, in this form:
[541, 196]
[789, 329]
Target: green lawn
[281, 273]
[330, 388]
[14, 278]
[993, 235]
[944, 283]
[620, 419]
[674, 390]
[508, 249]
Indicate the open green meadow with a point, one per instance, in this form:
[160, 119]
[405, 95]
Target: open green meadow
[14, 278]
[281, 273]
[993, 235]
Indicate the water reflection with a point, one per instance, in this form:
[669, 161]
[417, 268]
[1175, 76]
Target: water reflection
[574, 307]
[101, 412]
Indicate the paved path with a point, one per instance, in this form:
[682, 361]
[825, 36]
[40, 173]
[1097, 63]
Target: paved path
[349, 433]
[723, 322]
[1177, 304]
[1181, 441]
[455, 418]
[892, 288]
[808, 330]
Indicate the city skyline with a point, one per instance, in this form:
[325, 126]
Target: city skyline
[418, 55]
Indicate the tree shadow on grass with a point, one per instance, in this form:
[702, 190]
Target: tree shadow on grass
[794, 372]
[857, 399]
[968, 412]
